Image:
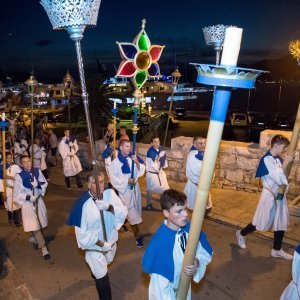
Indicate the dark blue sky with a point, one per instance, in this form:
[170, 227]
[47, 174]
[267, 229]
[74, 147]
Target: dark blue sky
[28, 41]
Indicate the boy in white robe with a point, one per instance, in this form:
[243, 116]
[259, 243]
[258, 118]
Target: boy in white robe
[13, 209]
[156, 178]
[127, 185]
[36, 152]
[164, 255]
[271, 211]
[193, 170]
[85, 216]
[30, 186]
[292, 291]
[68, 148]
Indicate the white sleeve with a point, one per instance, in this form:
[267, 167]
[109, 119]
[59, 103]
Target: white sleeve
[120, 210]
[117, 179]
[75, 147]
[204, 259]
[19, 192]
[152, 166]
[43, 179]
[192, 170]
[160, 288]
[275, 172]
[62, 149]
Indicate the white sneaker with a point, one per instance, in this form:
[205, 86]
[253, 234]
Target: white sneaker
[32, 240]
[45, 253]
[241, 240]
[281, 254]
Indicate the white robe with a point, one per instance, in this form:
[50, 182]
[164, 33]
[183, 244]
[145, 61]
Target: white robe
[37, 155]
[107, 162]
[161, 288]
[193, 170]
[12, 171]
[271, 212]
[156, 183]
[31, 219]
[18, 151]
[292, 291]
[131, 198]
[71, 164]
[91, 231]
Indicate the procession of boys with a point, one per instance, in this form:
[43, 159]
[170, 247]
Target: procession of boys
[111, 203]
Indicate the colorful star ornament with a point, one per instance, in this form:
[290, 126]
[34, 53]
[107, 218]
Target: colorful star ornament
[140, 59]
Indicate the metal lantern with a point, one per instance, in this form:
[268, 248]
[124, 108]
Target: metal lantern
[175, 76]
[68, 82]
[32, 85]
[214, 36]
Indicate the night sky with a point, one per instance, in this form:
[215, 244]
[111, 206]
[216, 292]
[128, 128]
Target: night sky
[29, 42]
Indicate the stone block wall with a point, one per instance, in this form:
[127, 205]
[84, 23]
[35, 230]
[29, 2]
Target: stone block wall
[236, 164]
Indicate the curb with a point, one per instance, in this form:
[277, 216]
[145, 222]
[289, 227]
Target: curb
[237, 225]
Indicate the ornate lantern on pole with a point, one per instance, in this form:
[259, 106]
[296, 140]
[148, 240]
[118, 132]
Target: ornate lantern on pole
[214, 36]
[175, 78]
[68, 82]
[32, 86]
[75, 16]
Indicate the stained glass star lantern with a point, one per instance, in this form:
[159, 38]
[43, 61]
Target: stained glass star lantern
[140, 59]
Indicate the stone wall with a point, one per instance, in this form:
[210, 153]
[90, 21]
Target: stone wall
[236, 164]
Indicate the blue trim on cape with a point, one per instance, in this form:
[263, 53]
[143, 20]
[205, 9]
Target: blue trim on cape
[153, 153]
[27, 178]
[158, 257]
[125, 168]
[193, 148]
[76, 212]
[262, 169]
[298, 249]
[107, 152]
[71, 139]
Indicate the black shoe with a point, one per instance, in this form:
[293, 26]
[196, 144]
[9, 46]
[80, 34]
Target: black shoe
[124, 228]
[17, 224]
[139, 242]
[80, 186]
[149, 207]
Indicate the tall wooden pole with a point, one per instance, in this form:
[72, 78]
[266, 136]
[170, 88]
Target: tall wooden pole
[4, 124]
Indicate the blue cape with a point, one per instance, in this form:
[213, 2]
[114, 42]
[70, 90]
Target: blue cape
[76, 212]
[1, 170]
[262, 169]
[199, 155]
[298, 249]
[153, 153]
[27, 178]
[107, 152]
[125, 168]
[158, 257]
[72, 138]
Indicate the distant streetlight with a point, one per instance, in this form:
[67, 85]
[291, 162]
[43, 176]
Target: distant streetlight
[175, 78]
[214, 36]
[32, 86]
[68, 82]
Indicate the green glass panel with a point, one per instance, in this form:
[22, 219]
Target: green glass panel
[140, 78]
[143, 42]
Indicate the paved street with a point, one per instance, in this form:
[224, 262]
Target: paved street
[233, 273]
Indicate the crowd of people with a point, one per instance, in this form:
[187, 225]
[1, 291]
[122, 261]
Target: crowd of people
[106, 208]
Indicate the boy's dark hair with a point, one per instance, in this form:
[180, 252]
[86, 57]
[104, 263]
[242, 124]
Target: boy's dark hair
[24, 156]
[154, 137]
[279, 139]
[123, 127]
[171, 197]
[110, 140]
[197, 137]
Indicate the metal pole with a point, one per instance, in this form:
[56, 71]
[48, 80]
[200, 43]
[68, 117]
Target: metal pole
[32, 131]
[169, 115]
[89, 127]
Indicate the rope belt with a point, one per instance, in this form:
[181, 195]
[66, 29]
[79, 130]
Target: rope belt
[157, 173]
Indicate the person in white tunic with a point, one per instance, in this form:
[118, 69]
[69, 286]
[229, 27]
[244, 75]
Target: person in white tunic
[164, 255]
[30, 186]
[20, 149]
[128, 187]
[193, 170]
[53, 145]
[156, 177]
[271, 211]
[68, 148]
[13, 209]
[108, 155]
[36, 152]
[292, 291]
[85, 216]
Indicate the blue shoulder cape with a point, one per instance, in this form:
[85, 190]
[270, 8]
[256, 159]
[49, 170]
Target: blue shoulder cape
[262, 169]
[298, 249]
[151, 153]
[158, 257]
[76, 212]
[27, 178]
[107, 152]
